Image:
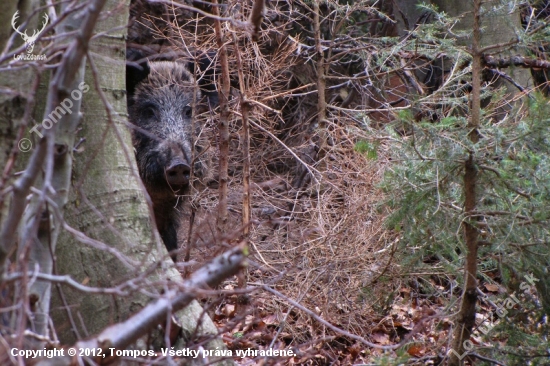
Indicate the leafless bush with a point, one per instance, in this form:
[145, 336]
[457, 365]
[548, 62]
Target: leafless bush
[315, 232]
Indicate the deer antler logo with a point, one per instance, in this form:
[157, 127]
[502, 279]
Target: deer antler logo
[29, 40]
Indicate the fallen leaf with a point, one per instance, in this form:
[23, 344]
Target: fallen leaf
[491, 288]
[381, 338]
[416, 351]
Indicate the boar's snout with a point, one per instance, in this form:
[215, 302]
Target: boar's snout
[177, 174]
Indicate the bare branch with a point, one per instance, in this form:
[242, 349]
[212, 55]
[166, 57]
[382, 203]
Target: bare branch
[223, 124]
[328, 325]
[525, 62]
[121, 335]
[256, 18]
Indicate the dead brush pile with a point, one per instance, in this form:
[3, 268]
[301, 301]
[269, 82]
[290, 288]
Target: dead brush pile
[316, 231]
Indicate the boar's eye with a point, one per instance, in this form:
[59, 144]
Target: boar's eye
[148, 111]
[187, 111]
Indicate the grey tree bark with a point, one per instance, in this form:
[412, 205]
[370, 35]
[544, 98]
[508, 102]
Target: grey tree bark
[16, 94]
[107, 204]
[499, 28]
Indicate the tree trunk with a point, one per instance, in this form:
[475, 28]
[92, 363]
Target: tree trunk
[466, 318]
[499, 27]
[43, 220]
[16, 102]
[107, 205]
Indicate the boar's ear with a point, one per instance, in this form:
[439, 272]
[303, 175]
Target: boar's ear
[137, 69]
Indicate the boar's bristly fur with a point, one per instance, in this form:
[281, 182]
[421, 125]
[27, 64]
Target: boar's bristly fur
[161, 98]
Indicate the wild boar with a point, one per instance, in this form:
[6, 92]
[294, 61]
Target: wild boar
[161, 96]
